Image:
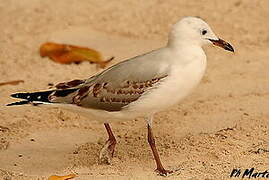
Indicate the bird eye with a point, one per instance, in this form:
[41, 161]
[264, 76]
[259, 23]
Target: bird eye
[204, 32]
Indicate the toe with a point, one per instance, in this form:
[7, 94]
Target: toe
[164, 172]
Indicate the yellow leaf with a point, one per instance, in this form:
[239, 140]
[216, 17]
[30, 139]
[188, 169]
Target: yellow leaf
[54, 177]
[66, 54]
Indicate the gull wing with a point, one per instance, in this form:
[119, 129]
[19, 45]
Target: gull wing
[115, 87]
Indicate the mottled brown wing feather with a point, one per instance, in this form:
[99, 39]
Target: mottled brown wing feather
[105, 96]
[102, 95]
[70, 84]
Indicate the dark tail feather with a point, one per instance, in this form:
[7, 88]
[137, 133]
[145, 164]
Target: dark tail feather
[35, 96]
[24, 102]
[18, 103]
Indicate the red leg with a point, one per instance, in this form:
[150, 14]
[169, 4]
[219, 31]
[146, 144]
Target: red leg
[107, 151]
[160, 169]
[111, 139]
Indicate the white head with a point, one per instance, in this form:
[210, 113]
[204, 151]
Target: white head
[197, 32]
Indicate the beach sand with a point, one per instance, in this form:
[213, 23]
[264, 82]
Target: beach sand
[222, 125]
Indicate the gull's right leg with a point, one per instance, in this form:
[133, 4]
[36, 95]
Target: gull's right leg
[160, 169]
[107, 151]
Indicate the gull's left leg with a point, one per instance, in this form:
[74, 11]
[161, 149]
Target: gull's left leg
[107, 151]
[160, 169]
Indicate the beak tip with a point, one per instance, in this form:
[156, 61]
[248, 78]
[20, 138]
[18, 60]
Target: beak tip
[229, 48]
[223, 44]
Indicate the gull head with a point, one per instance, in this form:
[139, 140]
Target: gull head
[195, 31]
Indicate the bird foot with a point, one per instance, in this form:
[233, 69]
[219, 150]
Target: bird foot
[106, 153]
[164, 172]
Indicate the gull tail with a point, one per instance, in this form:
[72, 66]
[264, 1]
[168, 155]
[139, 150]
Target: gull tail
[33, 98]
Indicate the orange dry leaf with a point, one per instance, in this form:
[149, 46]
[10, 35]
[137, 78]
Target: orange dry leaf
[66, 54]
[54, 177]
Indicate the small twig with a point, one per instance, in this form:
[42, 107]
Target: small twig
[259, 151]
[16, 82]
[227, 129]
[4, 129]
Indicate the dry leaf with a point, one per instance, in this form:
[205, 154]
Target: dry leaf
[54, 177]
[66, 54]
[16, 82]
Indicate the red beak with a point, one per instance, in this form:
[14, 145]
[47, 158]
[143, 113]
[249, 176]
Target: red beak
[223, 44]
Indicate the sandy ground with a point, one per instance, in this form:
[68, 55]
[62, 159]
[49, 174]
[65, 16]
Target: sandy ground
[223, 125]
